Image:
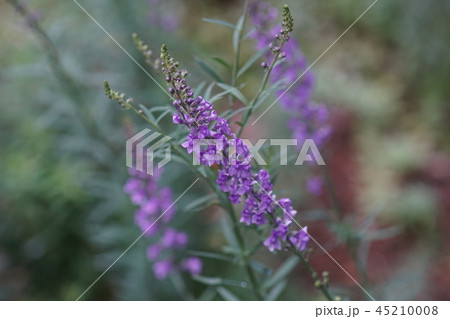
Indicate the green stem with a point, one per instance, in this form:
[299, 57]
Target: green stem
[237, 55]
[243, 251]
[352, 242]
[72, 88]
[263, 85]
[52, 53]
[332, 192]
[317, 281]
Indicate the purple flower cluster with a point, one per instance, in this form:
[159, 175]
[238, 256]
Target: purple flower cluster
[154, 201]
[235, 175]
[308, 119]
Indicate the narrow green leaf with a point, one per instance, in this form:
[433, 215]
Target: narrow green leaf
[264, 95]
[199, 88]
[223, 62]
[208, 69]
[209, 90]
[275, 89]
[177, 158]
[231, 251]
[178, 283]
[234, 91]
[221, 94]
[211, 255]
[260, 268]
[237, 33]
[255, 57]
[199, 202]
[226, 294]
[249, 33]
[208, 294]
[210, 281]
[216, 281]
[236, 112]
[228, 233]
[219, 22]
[160, 108]
[276, 291]
[282, 272]
[148, 113]
[218, 96]
[162, 115]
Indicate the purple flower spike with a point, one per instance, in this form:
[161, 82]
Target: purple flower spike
[153, 216]
[235, 175]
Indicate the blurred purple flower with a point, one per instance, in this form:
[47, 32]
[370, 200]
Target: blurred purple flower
[153, 201]
[163, 268]
[153, 252]
[314, 185]
[164, 14]
[193, 265]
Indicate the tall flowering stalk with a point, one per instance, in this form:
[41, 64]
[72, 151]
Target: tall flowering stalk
[235, 175]
[307, 119]
[274, 55]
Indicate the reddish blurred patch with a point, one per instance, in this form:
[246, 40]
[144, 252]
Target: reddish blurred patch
[386, 255]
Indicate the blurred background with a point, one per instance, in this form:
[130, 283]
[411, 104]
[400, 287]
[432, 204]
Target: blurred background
[64, 217]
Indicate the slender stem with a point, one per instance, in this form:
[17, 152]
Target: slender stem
[352, 243]
[317, 281]
[237, 54]
[332, 192]
[243, 251]
[52, 52]
[352, 246]
[263, 85]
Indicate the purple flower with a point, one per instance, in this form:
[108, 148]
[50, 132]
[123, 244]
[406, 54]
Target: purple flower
[300, 238]
[193, 265]
[278, 235]
[172, 238]
[153, 252]
[314, 185]
[162, 268]
[153, 216]
[272, 243]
